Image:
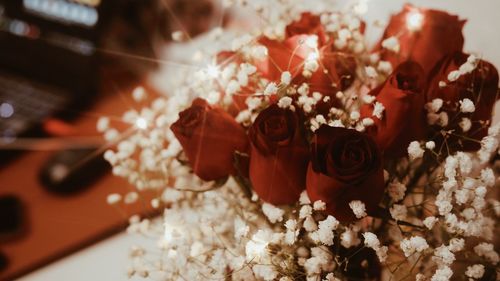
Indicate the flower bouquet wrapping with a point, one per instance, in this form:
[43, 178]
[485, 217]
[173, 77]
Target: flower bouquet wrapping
[301, 153]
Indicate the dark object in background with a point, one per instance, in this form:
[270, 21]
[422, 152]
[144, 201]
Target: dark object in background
[70, 171]
[53, 41]
[3, 261]
[49, 62]
[11, 217]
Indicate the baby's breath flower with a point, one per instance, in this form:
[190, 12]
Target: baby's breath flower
[430, 221]
[378, 110]
[286, 78]
[113, 198]
[396, 190]
[391, 44]
[371, 72]
[413, 244]
[415, 151]
[274, 214]
[358, 208]
[398, 212]
[475, 271]
[467, 106]
[442, 274]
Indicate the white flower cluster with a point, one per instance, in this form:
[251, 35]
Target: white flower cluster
[433, 212]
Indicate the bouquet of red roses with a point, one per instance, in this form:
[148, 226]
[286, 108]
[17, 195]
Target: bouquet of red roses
[306, 155]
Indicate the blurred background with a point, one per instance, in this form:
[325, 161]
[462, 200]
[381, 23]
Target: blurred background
[63, 65]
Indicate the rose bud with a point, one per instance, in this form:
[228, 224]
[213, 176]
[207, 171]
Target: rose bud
[424, 36]
[278, 156]
[479, 85]
[403, 119]
[209, 137]
[346, 165]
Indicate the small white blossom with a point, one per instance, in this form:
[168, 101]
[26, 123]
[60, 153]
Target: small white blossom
[442, 274]
[131, 197]
[305, 210]
[319, 205]
[398, 212]
[355, 115]
[453, 75]
[434, 106]
[358, 208]
[382, 253]
[177, 35]
[325, 230]
[309, 224]
[256, 247]
[371, 240]
[113, 198]
[465, 124]
[286, 78]
[240, 228]
[391, 44]
[304, 198]
[443, 119]
[259, 52]
[271, 88]
[487, 251]
[285, 102]
[412, 245]
[415, 151]
[102, 124]
[368, 99]
[488, 177]
[396, 190]
[430, 145]
[475, 271]
[443, 256]
[371, 72]
[240, 42]
[266, 272]
[232, 87]
[349, 238]
[430, 221]
[274, 214]
[456, 244]
[331, 277]
[292, 231]
[367, 122]
[467, 106]
[378, 110]
[384, 67]
[420, 277]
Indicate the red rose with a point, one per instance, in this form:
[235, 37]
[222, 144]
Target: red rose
[278, 156]
[209, 136]
[403, 120]
[439, 34]
[336, 70]
[480, 86]
[346, 165]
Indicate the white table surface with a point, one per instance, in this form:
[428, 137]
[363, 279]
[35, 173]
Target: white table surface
[108, 259]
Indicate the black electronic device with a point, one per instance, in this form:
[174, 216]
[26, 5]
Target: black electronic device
[49, 60]
[70, 171]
